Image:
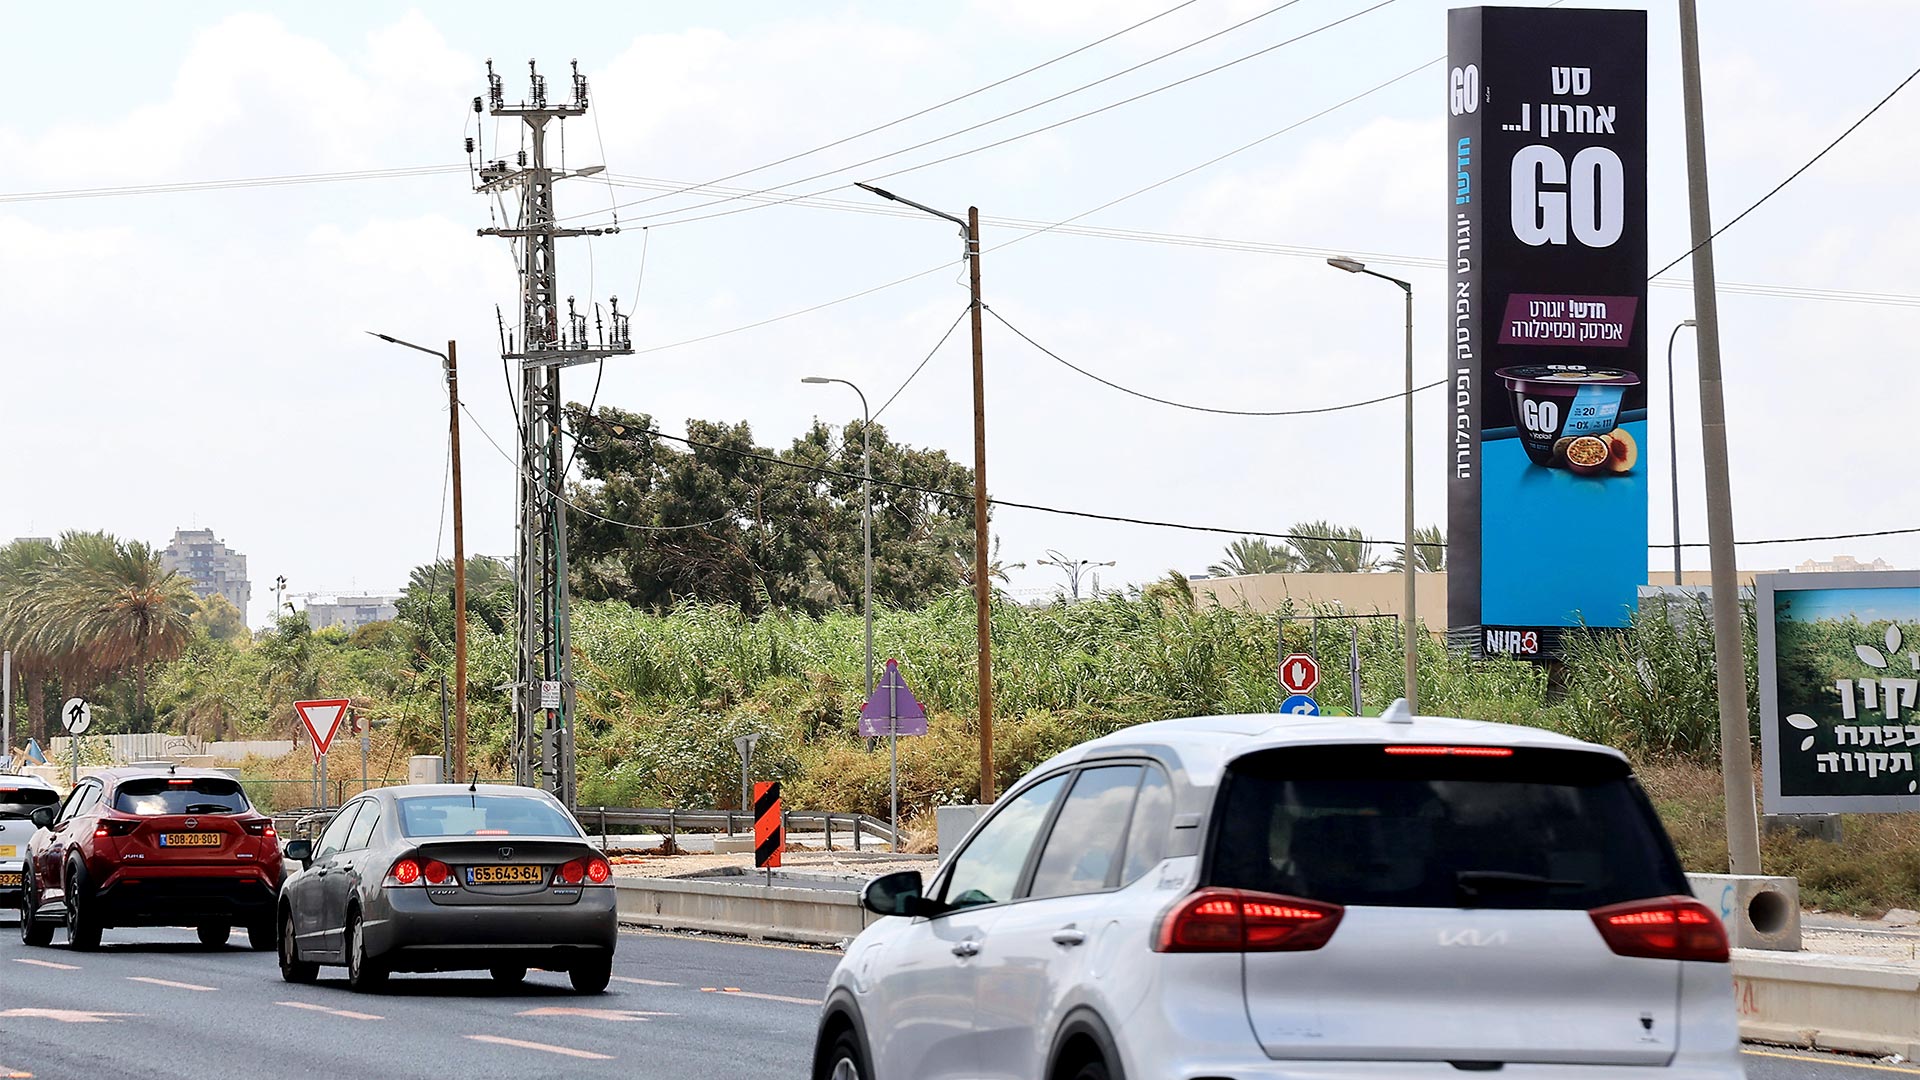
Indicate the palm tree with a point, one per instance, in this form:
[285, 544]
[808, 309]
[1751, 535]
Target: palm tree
[116, 608]
[1326, 548]
[1254, 555]
[20, 565]
[1429, 551]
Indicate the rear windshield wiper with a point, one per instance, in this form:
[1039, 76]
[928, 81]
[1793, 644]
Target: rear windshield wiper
[1472, 884]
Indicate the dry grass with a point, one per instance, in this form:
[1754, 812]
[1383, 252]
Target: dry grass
[1876, 866]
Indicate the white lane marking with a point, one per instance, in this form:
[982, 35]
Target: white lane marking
[346, 1013]
[568, 1051]
[642, 982]
[45, 964]
[619, 1015]
[734, 991]
[168, 982]
[68, 1016]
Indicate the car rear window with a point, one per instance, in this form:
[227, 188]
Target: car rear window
[151, 797]
[483, 815]
[1424, 827]
[18, 802]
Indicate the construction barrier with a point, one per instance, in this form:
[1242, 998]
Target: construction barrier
[769, 831]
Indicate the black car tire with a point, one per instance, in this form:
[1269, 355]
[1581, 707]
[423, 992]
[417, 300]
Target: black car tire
[83, 925]
[292, 968]
[1092, 1070]
[591, 976]
[843, 1059]
[34, 932]
[508, 976]
[364, 975]
[214, 935]
[260, 936]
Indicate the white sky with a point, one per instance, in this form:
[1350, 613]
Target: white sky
[197, 359]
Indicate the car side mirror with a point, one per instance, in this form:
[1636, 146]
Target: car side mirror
[42, 817]
[899, 894]
[300, 850]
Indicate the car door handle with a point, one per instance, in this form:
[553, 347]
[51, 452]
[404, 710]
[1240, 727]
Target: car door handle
[1069, 936]
[967, 948]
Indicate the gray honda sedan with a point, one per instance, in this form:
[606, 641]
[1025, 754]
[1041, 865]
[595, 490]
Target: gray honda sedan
[449, 877]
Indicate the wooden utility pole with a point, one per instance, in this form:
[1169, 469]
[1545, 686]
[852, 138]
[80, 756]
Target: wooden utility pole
[459, 762]
[982, 580]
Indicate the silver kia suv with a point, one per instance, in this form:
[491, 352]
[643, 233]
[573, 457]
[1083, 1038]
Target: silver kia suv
[1243, 897]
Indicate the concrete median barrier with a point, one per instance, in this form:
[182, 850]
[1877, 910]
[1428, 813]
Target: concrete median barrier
[810, 916]
[1819, 1001]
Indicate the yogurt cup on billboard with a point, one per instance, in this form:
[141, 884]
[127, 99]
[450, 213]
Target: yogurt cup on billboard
[1554, 403]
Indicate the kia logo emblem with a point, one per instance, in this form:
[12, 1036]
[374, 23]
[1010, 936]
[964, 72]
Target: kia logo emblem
[506, 853]
[193, 823]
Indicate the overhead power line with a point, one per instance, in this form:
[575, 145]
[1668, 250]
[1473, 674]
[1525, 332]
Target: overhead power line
[1851, 128]
[1205, 408]
[1030, 132]
[699, 188]
[221, 185]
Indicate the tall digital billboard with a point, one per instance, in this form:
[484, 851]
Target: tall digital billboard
[1547, 342]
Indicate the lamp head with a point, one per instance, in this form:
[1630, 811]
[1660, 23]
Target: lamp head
[815, 379]
[1688, 322]
[1351, 266]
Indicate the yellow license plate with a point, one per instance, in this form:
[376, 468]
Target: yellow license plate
[10, 878]
[506, 875]
[190, 839]
[7, 852]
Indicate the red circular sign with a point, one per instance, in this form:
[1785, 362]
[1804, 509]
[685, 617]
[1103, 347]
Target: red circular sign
[1299, 674]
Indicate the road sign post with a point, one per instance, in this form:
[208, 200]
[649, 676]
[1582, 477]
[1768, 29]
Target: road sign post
[1299, 673]
[743, 745]
[76, 716]
[322, 721]
[893, 711]
[1300, 705]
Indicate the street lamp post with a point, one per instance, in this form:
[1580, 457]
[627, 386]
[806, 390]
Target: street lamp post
[1673, 446]
[1355, 266]
[982, 583]
[449, 361]
[1073, 569]
[866, 514]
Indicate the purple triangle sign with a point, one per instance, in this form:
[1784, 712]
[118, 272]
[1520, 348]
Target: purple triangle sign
[892, 709]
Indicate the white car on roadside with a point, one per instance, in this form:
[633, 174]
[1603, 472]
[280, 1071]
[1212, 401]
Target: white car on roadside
[1245, 897]
[20, 796]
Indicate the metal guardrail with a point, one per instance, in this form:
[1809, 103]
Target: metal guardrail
[307, 822]
[671, 822]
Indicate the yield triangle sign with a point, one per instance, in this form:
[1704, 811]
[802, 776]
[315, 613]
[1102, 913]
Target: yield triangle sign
[892, 709]
[323, 721]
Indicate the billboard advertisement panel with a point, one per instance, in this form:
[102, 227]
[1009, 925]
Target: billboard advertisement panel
[1839, 683]
[1547, 342]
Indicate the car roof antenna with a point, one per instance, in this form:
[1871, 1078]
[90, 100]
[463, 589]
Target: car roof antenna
[474, 784]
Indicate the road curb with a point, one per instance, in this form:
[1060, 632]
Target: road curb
[757, 912]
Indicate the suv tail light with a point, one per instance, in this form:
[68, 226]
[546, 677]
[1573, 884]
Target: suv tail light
[1665, 928]
[403, 872]
[1235, 920]
[593, 871]
[115, 827]
[260, 828]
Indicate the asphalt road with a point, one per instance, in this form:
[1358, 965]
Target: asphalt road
[156, 1004]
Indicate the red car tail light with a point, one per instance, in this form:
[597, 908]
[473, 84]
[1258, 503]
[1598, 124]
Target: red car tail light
[1449, 751]
[404, 872]
[1665, 928]
[1234, 920]
[571, 873]
[115, 827]
[260, 828]
[598, 872]
[436, 872]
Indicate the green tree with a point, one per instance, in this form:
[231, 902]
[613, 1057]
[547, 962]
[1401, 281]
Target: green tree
[1325, 548]
[34, 661]
[217, 618]
[1429, 551]
[116, 604]
[1254, 555]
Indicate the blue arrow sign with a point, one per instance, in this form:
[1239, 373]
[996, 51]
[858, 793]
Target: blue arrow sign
[892, 709]
[1300, 705]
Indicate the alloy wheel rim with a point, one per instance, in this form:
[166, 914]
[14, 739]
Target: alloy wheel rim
[845, 1069]
[354, 945]
[287, 959]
